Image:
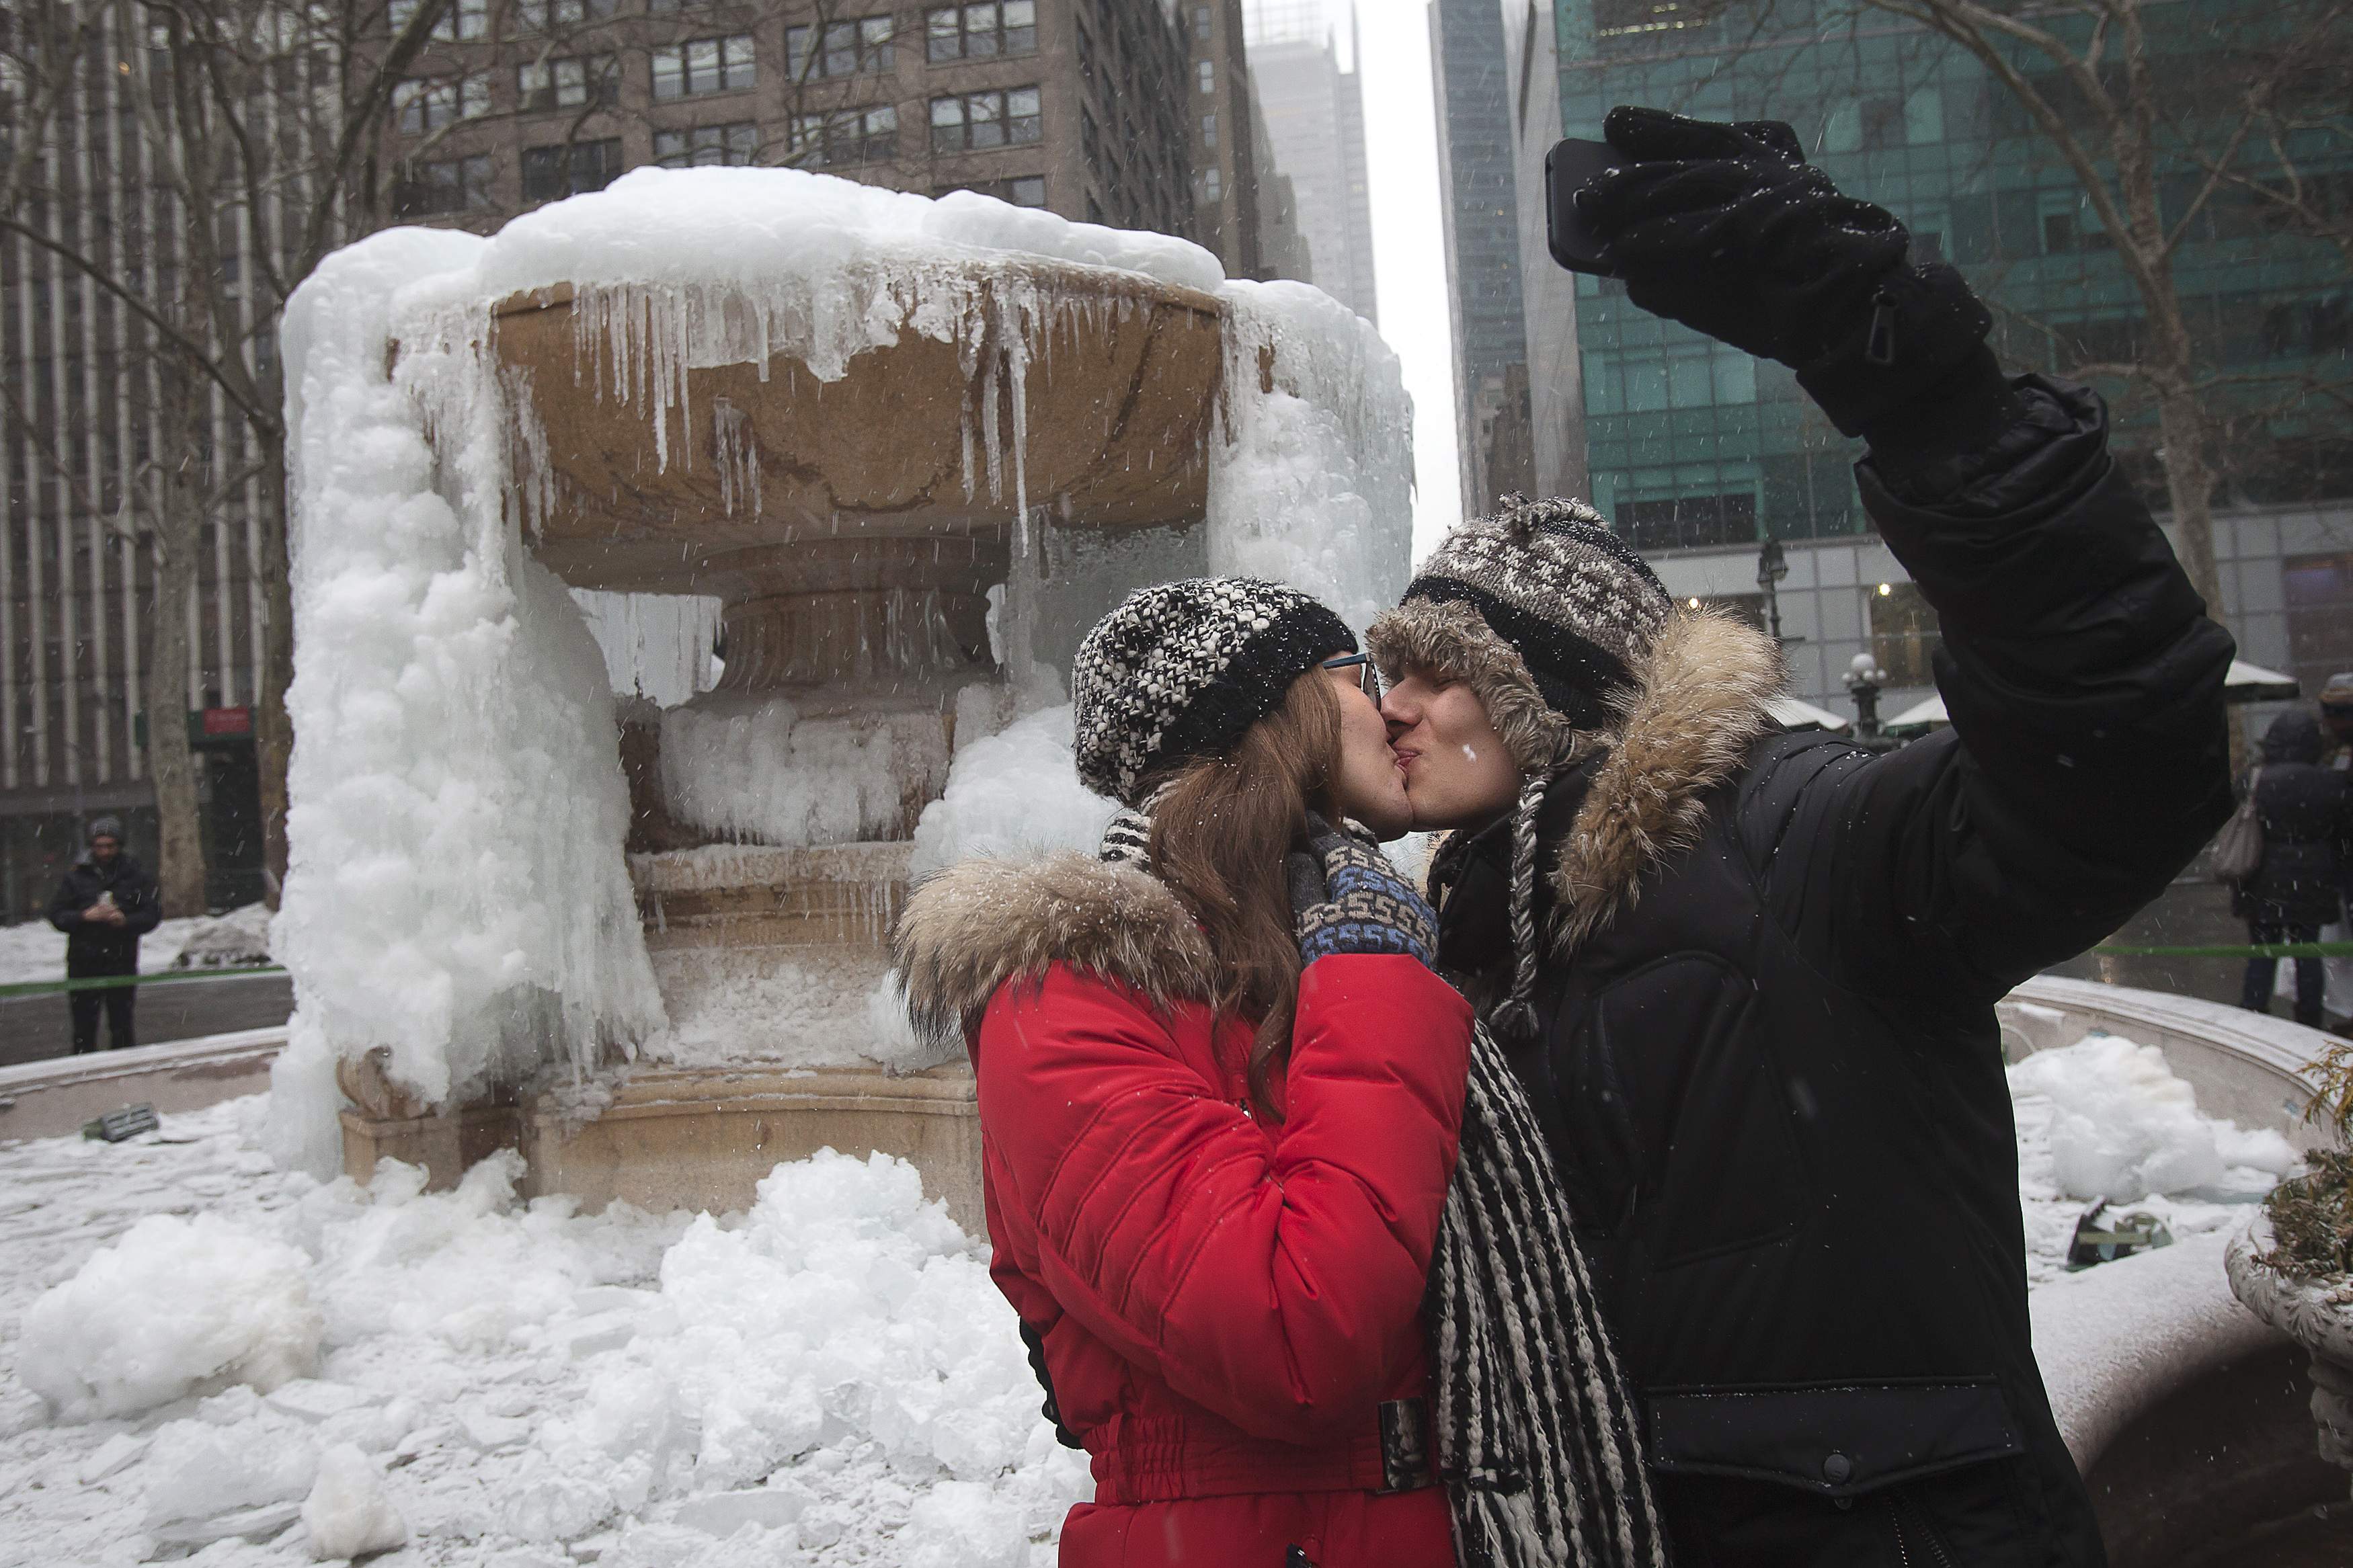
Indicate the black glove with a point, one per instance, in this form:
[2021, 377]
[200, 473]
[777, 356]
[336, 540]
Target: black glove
[1727, 230]
[1345, 897]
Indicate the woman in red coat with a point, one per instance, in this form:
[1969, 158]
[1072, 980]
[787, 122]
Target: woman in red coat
[1220, 1097]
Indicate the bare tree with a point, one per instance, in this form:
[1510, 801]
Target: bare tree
[2116, 91]
[253, 123]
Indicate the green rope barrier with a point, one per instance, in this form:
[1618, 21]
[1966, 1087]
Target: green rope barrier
[116, 981]
[2265, 950]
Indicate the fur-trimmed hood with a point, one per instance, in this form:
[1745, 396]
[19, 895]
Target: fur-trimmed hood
[1700, 700]
[977, 925]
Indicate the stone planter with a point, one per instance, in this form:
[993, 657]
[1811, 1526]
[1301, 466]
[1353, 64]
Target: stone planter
[2317, 1314]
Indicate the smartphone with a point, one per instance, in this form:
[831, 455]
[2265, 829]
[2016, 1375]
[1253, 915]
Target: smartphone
[1567, 167]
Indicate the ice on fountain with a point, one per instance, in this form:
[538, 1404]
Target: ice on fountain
[1312, 483]
[456, 899]
[660, 647]
[456, 896]
[1011, 794]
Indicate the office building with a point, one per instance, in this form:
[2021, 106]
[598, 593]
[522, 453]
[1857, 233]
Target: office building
[1313, 112]
[1482, 254]
[1698, 452]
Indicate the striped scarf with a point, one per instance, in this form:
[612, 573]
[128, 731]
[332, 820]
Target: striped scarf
[1536, 1435]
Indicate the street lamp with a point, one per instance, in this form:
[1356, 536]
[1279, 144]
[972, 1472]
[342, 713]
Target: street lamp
[1772, 565]
[1863, 680]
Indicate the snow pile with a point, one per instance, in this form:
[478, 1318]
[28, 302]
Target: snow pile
[831, 1377]
[177, 1306]
[457, 895]
[1013, 793]
[2121, 1126]
[347, 1513]
[752, 767]
[1313, 484]
[227, 942]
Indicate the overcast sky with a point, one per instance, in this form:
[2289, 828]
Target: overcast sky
[1408, 239]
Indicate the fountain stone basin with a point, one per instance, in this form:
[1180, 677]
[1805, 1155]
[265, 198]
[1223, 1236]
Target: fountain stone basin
[852, 526]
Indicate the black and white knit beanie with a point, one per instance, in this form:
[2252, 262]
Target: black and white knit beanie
[1180, 669]
[1540, 609]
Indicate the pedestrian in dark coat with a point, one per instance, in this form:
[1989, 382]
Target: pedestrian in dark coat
[2295, 891]
[1750, 977]
[1238, 1140]
[106, 902]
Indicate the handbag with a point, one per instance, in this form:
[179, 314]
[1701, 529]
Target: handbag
[2239, 847]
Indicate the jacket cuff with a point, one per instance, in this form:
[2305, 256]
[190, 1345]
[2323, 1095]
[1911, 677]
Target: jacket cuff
[1924, 449]
[1922, 325]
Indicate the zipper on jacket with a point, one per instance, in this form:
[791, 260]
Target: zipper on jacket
[1297, 1558]
[1900, 1505]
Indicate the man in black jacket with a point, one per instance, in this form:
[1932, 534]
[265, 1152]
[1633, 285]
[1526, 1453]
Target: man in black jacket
[1748, 977]
[106, 903]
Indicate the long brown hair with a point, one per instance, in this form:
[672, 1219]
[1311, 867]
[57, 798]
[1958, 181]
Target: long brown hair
[1219, 839]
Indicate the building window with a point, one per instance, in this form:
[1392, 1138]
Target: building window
[445, 185]
[1025, 191]
[1200, 21]
[550, 16]
[981, 32]
[844, 137]
[848, 48]
[1213, 184]
[550, 174]
[705, 145]
[1209, 130]
[1209, 73]
[463, 19]
[702, 66]
[1903, 634]
[2317, 592]
[568, 83]
[1685, 522]
[422, 106]
[977, 121]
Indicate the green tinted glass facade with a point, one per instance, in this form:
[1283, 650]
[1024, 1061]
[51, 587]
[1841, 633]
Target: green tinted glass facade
[1692, 444]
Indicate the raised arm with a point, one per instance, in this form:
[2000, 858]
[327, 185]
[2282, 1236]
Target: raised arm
[2086, 761]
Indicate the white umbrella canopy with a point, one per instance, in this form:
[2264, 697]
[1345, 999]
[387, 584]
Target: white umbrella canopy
[1792, 713]
[2245, 683]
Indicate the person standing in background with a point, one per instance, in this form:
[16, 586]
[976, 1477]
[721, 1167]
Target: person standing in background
[2298, 886]
[106, 903]
[2337, 735]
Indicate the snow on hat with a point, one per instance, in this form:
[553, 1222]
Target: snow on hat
[1180, 669]
[104, 827]
[1539, 609]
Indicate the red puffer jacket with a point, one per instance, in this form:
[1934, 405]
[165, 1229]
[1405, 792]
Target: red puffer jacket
[1225, 1304]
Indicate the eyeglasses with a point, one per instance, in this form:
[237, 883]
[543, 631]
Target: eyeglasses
[1369, 678]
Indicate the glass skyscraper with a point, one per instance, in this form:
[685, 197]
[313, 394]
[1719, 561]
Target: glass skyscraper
[1692, 444]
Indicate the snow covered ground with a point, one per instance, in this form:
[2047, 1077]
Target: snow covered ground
[35, 949]
[829, 1379]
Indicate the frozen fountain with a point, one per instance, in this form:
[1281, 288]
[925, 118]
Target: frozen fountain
[886, 456]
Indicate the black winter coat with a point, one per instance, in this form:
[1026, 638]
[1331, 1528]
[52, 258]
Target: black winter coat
[95, 947]
[2306, 817]
[1767, 1061]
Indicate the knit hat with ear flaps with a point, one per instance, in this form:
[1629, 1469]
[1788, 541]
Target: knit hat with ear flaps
[1540, 610]
[1180, 669]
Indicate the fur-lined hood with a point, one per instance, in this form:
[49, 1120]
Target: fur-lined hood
[1699, 700]
[977, 925]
